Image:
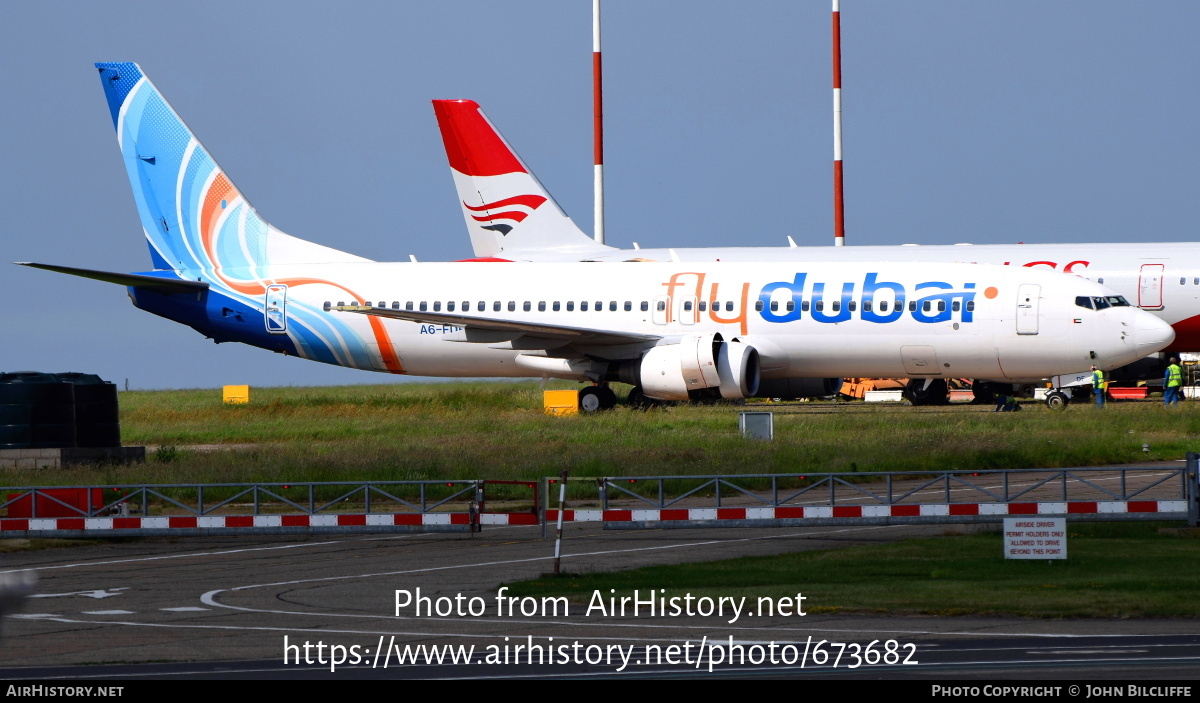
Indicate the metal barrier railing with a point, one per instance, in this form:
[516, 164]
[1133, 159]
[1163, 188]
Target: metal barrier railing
[201, 500]
[1000, 486]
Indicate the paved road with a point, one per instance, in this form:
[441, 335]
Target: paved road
[231, 602]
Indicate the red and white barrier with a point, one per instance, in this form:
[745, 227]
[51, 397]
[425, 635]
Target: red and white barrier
[872, 511]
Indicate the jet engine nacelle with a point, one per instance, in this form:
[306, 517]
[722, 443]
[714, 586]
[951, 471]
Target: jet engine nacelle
[799, 387]
[697, 363]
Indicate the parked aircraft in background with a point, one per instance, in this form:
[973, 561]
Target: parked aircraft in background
[673, 330]
[510, 216]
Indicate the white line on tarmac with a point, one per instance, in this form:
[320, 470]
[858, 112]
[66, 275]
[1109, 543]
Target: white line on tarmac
[203, 554]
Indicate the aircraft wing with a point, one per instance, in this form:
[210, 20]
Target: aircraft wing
[511, 329]
[166, 286]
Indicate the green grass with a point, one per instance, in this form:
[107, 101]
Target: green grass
[1113, 570]
[497, 430]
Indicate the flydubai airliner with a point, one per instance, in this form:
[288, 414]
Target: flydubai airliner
[510, 216]
[673, 330]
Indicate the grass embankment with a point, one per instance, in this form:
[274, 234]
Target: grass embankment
[497, 431]
[1113, 570]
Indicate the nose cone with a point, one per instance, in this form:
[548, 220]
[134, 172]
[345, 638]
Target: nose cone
[1151, 333]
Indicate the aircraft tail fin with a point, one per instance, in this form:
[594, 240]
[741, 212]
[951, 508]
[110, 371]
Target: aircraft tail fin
[192, 214]
[505, 207]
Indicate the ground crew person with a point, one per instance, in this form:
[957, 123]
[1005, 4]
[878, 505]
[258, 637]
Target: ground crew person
[1172, 382]
[1099, 386]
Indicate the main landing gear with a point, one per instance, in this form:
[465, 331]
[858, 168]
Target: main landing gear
[596, 398]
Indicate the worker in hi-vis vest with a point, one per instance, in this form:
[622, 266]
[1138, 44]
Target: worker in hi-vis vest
[1172, 382]
[1099, 386]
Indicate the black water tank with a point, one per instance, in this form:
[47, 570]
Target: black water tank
[97, 417]
[36, 411]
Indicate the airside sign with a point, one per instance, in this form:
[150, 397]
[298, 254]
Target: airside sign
[1035, 538]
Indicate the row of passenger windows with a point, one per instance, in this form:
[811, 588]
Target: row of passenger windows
[660, 305]
[1195, 281]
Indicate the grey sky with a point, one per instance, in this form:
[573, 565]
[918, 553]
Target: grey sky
[986, 122]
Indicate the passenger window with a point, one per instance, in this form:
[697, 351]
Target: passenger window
[774, 306]
[687, 306]
[541, 306]
[512, 306]
[583, 306]
[527, 306]
[791, 305]
[327, 306]
[955, 306]
[1100, 281]
[660, 305]
[970, 306]
[645, 306]
[803, 306]
[570, 306]
[703, 305]
[367, 303]
[836, 306]
[941, 306]
[424, 306]
[928, 306]
[466, 306]
[599, 306]
[612, 306]
[883, 306]
[866, 306]
[450, 306]
[340, 303]
[395, 304]
[496, 306]
[852, 306]
[481, 306]
[628, 306]
[819, 306]
[912, 306]
[408, 305]
[1182, 281]
[437, 306]
[556, 306]
[758, 306]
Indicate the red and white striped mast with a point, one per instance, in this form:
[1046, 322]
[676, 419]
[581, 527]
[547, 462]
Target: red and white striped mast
[597, 125]
[839, 214]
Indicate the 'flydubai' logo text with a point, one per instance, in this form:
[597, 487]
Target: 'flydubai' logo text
[499, 214]
[788, 301]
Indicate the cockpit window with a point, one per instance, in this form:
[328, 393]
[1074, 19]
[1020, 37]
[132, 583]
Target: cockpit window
[1110, 301]
[1084, 302]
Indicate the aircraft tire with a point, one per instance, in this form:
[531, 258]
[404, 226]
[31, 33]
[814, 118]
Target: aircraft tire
[936, 394]
[591, 400]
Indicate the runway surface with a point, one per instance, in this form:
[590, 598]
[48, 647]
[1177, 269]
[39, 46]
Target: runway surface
[222, 608]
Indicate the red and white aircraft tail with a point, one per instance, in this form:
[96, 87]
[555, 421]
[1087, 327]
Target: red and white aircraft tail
[506, 208]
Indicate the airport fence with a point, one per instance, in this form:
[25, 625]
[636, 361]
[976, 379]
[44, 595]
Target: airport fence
[758, 500]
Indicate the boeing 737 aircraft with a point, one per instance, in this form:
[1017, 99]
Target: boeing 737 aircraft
[510, 216]
[675, 331]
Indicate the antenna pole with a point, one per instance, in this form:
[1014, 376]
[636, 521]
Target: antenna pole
[839, 213]
[597, 124]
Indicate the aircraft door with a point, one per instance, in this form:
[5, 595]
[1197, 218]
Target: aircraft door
[1150, 286]
[920, 360]
[662, 308]
[1027, 308]
[275, 309]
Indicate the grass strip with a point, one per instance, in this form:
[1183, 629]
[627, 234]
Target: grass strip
[1114, 570]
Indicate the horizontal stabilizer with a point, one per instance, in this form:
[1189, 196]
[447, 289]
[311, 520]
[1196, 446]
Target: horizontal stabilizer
[582, 335]
[166, 286]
